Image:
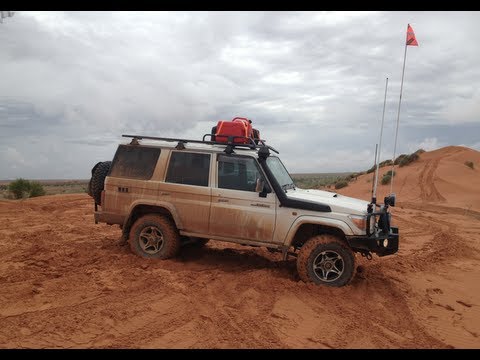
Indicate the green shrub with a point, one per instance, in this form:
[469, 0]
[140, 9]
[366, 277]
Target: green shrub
[385, 163]
[409, 159]
[400, 158]
[341, 184]
[36, 189]
[405, 159]
[380, 165]
[20, 188]
[469, 164]
[386, 179]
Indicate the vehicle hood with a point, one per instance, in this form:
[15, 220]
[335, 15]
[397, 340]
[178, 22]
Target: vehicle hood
[338, 203]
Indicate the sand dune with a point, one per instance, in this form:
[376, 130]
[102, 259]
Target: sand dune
[438, 177]
[67, 283]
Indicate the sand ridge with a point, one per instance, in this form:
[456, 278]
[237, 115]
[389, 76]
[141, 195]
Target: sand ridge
[68, 283]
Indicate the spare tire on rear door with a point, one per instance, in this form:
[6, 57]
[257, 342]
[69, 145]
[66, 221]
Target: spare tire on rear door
[99, 173]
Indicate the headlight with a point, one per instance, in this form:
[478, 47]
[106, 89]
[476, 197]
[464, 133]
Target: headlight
[359, 221]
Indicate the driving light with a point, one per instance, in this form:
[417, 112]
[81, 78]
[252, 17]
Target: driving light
[385, 243]
[390, 200]
[359, 221]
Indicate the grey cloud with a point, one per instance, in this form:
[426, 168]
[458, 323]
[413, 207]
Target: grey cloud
[313, 82]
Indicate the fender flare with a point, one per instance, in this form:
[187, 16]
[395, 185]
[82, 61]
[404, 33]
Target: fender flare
[159, 204]
[316, 220]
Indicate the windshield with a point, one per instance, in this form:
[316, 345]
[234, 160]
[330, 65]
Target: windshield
[280, 173]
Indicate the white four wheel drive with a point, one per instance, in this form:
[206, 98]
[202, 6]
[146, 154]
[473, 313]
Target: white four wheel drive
[163, 192]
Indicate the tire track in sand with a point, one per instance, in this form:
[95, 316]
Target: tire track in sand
[428, 191]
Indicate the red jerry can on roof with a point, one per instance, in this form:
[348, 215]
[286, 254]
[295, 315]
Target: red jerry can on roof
[239, 130]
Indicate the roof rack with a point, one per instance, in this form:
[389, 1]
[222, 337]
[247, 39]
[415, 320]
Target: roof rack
[253, 144]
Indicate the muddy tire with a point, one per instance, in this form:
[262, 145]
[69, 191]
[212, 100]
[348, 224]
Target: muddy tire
[96, 184]
[154, 237]
[326, 260]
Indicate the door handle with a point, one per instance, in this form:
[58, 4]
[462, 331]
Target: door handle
[222, 200]
[164, 193]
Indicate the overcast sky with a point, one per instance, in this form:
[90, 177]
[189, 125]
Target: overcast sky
[312, 82]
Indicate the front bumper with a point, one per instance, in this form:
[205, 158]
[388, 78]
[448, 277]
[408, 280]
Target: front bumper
[374, 242]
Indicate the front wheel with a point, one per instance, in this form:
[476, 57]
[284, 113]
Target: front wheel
[154, 236]
[326, 260]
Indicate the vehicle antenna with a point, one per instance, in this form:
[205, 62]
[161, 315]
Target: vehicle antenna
[374, 192]
[374, 200]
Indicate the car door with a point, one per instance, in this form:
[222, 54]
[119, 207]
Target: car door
[237, 210]
[187, 188]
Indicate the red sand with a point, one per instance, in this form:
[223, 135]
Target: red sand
[67, 283]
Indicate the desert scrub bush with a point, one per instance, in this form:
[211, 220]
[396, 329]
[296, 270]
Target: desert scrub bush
[36, 189]
[341, 184]
[408, 159]
[380, 165]
[387, 178]
[405, 159]
[22, 188]
[469, 164]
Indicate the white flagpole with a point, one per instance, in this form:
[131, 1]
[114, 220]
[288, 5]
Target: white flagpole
[374, 195]
[398, 116]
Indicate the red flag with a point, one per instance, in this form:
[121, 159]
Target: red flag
[411, 40]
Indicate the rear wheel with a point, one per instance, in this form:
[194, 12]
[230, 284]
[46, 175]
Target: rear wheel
[326, 260]
[154, 236]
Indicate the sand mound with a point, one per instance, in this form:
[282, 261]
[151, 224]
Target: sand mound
[68, 283]
[438, 177]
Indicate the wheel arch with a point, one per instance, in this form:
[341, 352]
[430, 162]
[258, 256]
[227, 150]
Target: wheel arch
[306, 227]
[137, 210]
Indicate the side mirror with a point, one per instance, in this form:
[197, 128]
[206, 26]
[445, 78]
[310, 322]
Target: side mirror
[260, 185]
[262, 188]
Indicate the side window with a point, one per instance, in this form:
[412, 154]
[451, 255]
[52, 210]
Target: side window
[238, 173]
[134, 162]
[188, 168]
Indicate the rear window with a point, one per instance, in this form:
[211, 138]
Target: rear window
[134, 162]
[188, 168]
